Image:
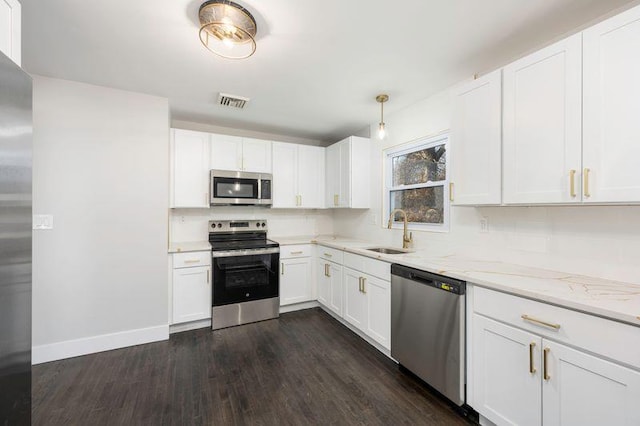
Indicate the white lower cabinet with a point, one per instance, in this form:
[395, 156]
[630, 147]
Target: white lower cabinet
[330, 285]
[295, 281]
[367, 296]
[586, 390]
[519, 376]
[355, 299]
[191, 287]
[296, 274]
[506, 390]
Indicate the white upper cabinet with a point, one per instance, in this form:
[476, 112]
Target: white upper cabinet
[226, 152]
[476, 141]
[298, 176]
[256, 155]
[611, 145]
[10, 29]
[190, 169]
[542, 125]
[243, 154]
[285, 186]
[348, 173]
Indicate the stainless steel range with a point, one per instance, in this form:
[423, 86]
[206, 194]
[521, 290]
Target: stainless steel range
[245, 272]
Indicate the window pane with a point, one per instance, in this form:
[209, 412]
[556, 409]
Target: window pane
[422, 205]
[420, 166]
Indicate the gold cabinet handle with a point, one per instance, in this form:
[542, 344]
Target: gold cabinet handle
[586, 183]
[192, 261]
[532, 368]
[450, 191]
[328, 270]
[300, 196]
[360, 284]
[297, 252]
[540, 322]
[328, 255]
[336, 198]
[282, 269]
[364, 282]
[572, 183]
[545, 366]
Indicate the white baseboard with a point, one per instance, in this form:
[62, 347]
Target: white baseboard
[298, 306]
[105, 342]
[193, 325]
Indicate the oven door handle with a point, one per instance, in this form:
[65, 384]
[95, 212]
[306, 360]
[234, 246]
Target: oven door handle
[252, 252]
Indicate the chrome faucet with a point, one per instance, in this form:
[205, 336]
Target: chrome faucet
[406, 240]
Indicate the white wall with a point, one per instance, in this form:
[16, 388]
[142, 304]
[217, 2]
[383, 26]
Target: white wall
[100, 167]
[210, 128]
[597, 241]
[191, 224]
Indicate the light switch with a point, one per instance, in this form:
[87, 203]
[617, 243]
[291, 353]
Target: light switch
[42, 221]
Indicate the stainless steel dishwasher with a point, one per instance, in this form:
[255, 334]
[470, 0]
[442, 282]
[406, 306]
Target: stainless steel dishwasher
[428, 328]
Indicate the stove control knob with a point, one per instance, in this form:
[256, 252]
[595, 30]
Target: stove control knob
[219, 225]
[264, 224]
[258, 225]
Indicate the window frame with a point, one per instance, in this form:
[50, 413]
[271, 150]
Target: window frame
[407, 148]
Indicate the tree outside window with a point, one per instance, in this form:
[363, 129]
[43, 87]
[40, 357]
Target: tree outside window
[417, 182]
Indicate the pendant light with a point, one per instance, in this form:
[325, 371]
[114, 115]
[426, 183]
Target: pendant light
[381, 99]
[227, 29]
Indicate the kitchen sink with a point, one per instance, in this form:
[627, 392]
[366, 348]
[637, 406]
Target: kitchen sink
[387, 250]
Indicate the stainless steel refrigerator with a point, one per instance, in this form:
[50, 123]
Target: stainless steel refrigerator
[15, 243]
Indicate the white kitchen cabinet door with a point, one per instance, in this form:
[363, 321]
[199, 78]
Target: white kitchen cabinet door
[348, 179]
[611, 145]
[324, 282]
[311, 176]
[542, 127]
[226, 152]
[256, 155]
[191, 294]
[476, 142]
[336, 302]
[295, 281]
[585, 390]
[11, 29]
[378, 294]
[355, 301]
[506, 391]
[332, 170]
[190, 167]
[344, 195]
[284, 186]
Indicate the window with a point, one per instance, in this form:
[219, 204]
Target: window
[418, 183]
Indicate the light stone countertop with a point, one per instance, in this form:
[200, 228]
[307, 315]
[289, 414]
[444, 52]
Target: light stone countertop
[189, 246]
[610, 299]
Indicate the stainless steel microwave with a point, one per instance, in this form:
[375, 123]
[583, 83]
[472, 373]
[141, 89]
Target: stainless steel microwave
[240, 188]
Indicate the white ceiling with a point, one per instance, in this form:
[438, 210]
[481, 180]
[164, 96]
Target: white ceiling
[318, 66]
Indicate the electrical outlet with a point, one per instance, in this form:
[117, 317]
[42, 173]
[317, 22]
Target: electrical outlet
[181, 219]
[42, 221]
[484, 224]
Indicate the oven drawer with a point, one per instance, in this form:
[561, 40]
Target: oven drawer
[330, 254]
[194, 258]
[290, 252]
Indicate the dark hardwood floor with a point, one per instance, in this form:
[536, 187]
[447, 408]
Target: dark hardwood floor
[303, 368]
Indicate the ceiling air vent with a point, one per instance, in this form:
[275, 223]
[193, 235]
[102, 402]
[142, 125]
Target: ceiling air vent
[234, 101]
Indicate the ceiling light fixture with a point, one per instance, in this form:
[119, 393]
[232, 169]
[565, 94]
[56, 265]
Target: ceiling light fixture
[227, 29]
[382, 133]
